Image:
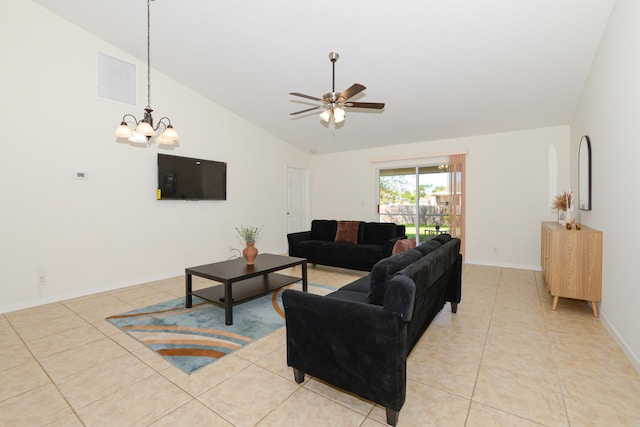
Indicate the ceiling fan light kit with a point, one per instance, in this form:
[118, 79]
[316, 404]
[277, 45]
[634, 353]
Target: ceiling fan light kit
[334, 103]
[144, 129]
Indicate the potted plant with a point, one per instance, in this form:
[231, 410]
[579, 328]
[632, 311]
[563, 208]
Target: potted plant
[249, 235]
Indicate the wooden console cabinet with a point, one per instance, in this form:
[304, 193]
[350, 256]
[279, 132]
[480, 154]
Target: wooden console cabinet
[572, 263]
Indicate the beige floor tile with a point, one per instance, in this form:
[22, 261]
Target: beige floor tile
[426, 406]
[57, 343]
[21, 378]
[77, 359]
[207, 377]
[521, 395]
[612, 401]
[342, 397]
[465, 321]
[194, 414]
[521, 355]
[140, 403]
[41, 406]
[247, 397]
[264, 346]
[458, 345]
[445, 372]
[13, 356]
[8, 336]
[41, 314]
[34, 331]
[102, 379]
[276, 362]
[319, 412]
[484, 416]
[96, 308]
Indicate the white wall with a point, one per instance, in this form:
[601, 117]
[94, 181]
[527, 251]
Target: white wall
[507, 188]
[110, 231]
[609, 112]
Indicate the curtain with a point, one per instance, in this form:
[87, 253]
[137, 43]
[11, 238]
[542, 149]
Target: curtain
[456, 197]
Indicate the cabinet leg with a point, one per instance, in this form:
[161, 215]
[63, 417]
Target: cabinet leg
[555, 303]
[595, 308]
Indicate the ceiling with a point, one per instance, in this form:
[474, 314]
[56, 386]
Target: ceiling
[445, 69]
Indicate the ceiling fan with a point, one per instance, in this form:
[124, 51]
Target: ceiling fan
[333, 103]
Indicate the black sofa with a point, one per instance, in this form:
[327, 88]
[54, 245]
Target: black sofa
[360, 249]
[358, 338]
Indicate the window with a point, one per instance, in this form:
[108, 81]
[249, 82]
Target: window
[426, 199]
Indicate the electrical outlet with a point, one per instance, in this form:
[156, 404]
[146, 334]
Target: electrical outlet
[42, 278]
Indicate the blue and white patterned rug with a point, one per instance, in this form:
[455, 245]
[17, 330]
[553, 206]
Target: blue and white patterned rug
[192, 338]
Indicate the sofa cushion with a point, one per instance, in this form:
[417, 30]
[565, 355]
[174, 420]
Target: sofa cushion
[324, 229]
[376, 233]
[360, 285]
[384, 269]
[428, 246]
[442, 238]
[347, 231]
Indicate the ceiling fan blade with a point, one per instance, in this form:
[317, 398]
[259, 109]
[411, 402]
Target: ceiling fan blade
[355, 89]
[376, 105]
[308, 109]
[305, 96]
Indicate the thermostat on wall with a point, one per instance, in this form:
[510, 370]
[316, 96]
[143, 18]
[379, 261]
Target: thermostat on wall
[80, 175]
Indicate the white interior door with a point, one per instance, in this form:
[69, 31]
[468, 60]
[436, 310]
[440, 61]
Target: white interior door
[297, 200]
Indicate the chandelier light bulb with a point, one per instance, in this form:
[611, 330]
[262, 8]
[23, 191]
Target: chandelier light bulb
[338, 115]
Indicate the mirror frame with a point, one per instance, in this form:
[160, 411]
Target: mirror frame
[584, 174]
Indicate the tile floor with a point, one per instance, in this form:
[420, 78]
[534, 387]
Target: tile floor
[505, 359]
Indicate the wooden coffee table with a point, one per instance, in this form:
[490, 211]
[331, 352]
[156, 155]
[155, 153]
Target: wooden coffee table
[241, 282]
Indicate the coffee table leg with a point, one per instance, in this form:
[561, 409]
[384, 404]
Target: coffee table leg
[228, 304]
[304, 276]
[188, 300]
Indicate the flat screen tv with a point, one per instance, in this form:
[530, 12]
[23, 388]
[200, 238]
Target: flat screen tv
[186, 178]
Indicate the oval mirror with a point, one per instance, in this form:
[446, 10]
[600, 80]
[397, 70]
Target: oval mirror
[584, 174]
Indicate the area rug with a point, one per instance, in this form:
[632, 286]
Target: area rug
[192, 338]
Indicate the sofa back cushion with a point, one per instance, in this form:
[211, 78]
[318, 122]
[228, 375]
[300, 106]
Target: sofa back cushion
[428, 246]
[384, 270]
[324, 229]
[376, 233]
[425, 271]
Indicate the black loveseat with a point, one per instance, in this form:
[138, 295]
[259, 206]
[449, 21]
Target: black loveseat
[358, 338]
[356, 245]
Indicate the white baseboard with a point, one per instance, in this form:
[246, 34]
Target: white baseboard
[503, 265]
[634, 358]
[85, 292]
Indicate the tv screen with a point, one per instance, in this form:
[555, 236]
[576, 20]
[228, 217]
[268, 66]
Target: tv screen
[186, 178]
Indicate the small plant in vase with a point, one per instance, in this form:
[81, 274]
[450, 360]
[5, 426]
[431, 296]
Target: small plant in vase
[249, 235]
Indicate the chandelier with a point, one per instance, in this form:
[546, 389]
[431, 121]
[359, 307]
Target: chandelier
[144, 128]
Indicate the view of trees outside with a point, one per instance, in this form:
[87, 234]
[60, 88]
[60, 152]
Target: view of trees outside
[399, 200]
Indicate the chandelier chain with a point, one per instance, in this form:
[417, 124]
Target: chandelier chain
[148, 54]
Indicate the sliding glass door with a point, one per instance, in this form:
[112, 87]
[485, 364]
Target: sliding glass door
[426, 199]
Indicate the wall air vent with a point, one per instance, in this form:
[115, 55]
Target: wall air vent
[116, 79]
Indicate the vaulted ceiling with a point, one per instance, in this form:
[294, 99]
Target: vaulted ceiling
[444, 69]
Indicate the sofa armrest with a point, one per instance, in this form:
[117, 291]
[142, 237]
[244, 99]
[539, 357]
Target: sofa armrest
[387, 248]
[294, 238]
[400, 296]
[359, 347]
